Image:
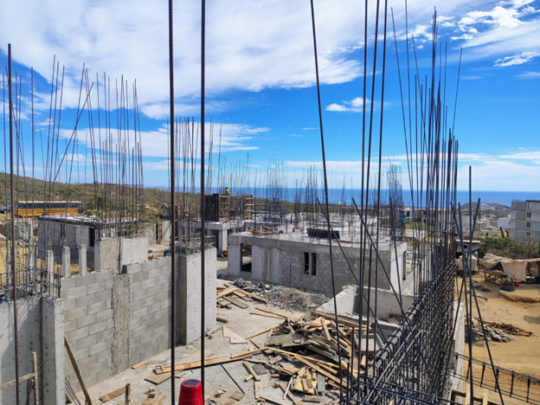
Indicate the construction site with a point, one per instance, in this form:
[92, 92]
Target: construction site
[115, 292]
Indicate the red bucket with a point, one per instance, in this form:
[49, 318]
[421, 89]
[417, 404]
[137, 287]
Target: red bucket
[191, 393]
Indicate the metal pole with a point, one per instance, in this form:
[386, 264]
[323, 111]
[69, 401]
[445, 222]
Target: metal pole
[13, 257]
[173, 211]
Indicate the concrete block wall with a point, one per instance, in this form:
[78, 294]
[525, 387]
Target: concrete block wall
[29, 322]
[282, 262]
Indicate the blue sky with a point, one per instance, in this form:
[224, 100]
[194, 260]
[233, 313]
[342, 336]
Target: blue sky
[260, 77]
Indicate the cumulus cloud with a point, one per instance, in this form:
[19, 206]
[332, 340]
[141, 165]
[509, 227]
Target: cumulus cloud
[354, 105]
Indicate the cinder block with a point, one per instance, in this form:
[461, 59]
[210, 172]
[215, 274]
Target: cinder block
[77, 334]
[139, 313]
[69, 304]
[97, 347]
[97, 327]
[135, 286]
[95, 287]
[97, 307]
[80, 354]
[110, 323]
[86, 320]
[86, 342]
[109, 284]
[134, 323]
[154, 290]
[85, 300]
[75, 314]
[154, 308]
[70, 326]
[106, 334]
[76, 291]
[91, 380]
[162, 280]
[146, 284]
[138, 295]
[103, 295]
[102, 275]
[165, 304]
[134, 268]
[147, 266]
[104, 315]
[148, 301]
[166, 271]
[68, 283]
[104, 374]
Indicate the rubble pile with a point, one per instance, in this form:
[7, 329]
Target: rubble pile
[497, 332]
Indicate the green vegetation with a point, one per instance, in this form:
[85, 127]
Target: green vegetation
[507, 247]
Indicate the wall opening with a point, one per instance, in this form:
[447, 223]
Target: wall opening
[92, 237]
[313, 264]
[246, 257]
[306, 262]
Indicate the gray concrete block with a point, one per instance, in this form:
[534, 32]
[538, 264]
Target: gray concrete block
[165, 304]
[110, 323]
[86, 342]
[150, 282]
[86, 320]
[134, 268]
[80, 354]
[134, 323]
[85, 279]
[163, 280]
[154, 308]
[97, 307]
[135, 286]
[102, 275]
[95, 287]
[106, 334]
[156, 289]
[109, 284]
[148, 301]
[103, 295]
[69, 304]
[139, 313]
[68, 283]
[76, 291]
[104, 354]
[97, 347]
[70, 325]
[85, 300]
[147, 266]
[75, 313]
[104, 315]
[97, 327]
[77, 334]
[91, 380]
[103, 375]
[138, 295]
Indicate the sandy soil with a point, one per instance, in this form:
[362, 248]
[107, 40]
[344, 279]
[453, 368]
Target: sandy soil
[521, 354]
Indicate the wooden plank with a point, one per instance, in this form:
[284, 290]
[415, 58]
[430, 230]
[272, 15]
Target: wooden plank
[325, 329]
[272, 398]
[291, 396]
[237, 302]
[485, 397]
[36, 383]
[190, 358]
[233, 337]
[158, 378]
[226, 291]
[77, 372]
[211, 362]
[136, 366]
[262, 331]
[311, 398]
[112, 395]
[251, 371]
[467, 398]
[21, 379]
[222, 320]
[258, 389]
[321, 383]
[155, 401]
[273, 311]
[267, 314]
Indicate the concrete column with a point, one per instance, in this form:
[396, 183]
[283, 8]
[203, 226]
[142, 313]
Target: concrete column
[49, 261]
[66, 261]
[82, 259]
[222, 241]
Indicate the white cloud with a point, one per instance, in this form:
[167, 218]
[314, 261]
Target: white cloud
[234, 137]
[518, 59]
[529, 75]
[355, 105]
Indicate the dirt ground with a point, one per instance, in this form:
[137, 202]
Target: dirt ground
[521, 354]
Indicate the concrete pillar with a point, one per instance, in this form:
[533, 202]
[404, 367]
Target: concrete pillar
[82, 259]
[222, 241]
[66, 261]
[49, 261]
[189, 288]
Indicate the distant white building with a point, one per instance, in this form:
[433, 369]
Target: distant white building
[504, 223]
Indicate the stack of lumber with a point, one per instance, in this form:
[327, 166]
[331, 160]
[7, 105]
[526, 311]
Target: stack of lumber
[263, 230]
[230, 295]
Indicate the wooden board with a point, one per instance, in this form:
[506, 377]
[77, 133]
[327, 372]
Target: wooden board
[155, 401]
[273, 311]
[272, 398]
[267, 314]
[136, 366]
[158, 378]
[112, 395]
[233, 337]
[258, 389]
[262, 331]
[226, 291]
[237, 395]
[289, 393]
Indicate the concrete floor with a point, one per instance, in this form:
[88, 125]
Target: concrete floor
[240, 322]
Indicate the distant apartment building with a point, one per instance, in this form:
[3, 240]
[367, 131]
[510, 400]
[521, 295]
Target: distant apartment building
[525, 221]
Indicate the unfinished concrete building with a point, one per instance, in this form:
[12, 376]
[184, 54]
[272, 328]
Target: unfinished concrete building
[525, 221]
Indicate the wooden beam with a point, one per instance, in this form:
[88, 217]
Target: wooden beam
[112, 395]
[77, 372]
[36, 383]
[262, 331]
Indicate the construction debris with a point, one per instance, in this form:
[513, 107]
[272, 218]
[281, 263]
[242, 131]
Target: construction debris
[497, 332]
